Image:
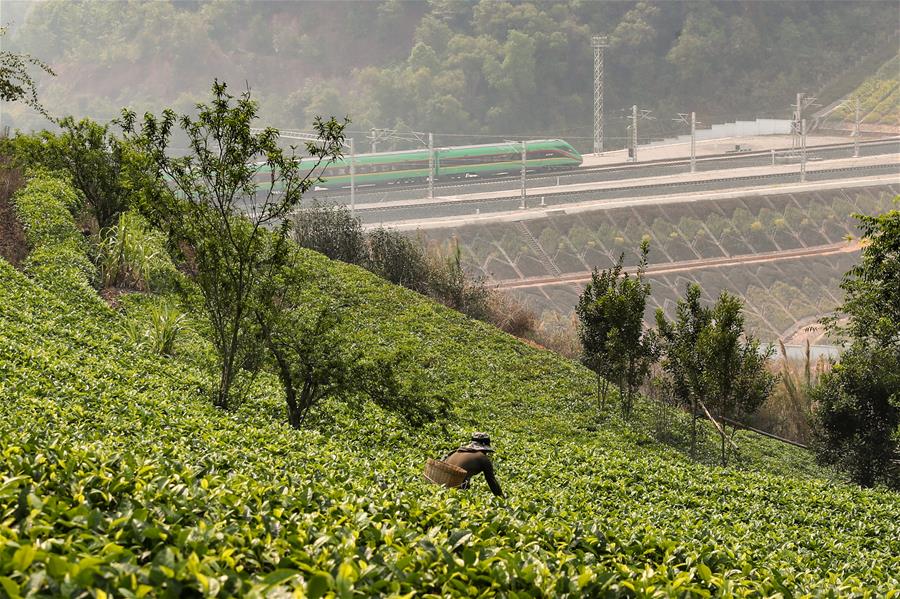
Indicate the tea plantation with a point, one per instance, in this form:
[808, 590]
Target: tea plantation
[118, 477]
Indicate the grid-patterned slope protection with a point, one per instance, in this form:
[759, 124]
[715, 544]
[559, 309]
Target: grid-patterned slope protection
[778, 293]
[501, 251]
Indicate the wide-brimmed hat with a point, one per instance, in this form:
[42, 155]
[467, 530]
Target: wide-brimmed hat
[480, 442]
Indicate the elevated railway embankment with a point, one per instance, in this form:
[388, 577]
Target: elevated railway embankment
[475, 208]
[781, 248]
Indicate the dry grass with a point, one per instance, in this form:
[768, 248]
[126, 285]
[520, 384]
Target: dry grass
[788, 410]
[559, 334]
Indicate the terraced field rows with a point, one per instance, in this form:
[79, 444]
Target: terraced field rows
[119, 478]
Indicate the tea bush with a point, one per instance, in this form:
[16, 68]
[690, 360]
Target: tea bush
[117, 476]
[58, 249]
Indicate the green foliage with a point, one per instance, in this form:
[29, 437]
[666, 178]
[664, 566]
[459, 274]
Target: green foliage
[736, 381]
[479, 67]
[449, 283]
[93, 157]
[858, 413]
[58, 249]
[316, 360]
[611, 316]
[872, 287]
[120, 477]
[398, 259]
[331, 231]
[231, 256]
[130, 254]
[159, 331]
[16, 83]
[878, 96]
[711, 361]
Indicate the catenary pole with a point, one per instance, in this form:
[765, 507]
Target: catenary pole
[693, 142]
[524, 163]
[634, 135]
[431, 166]
[802, 150]
[352, 177]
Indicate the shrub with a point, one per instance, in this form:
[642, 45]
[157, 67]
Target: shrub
[398, 259]
[448, 283]
[509, 314]
[332, 231]
[59, 250]
[90, 154]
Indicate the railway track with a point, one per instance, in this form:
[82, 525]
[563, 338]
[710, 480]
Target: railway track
[658, 167]
[549, 197]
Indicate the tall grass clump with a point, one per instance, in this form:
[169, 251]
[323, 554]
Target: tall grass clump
[131, 255]
[788, 410]
[160, 328]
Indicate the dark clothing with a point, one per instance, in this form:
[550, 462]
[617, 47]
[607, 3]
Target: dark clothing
[475, 462]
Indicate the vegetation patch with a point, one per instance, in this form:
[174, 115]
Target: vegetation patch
[119, 475]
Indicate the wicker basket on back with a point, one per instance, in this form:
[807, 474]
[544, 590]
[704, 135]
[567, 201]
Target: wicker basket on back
[445, 474]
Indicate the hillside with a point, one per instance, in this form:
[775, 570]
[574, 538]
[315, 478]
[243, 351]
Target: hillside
[445, 66]
[118, 475]
[879, 99]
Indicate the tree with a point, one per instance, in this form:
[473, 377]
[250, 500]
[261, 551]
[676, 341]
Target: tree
[680, 348]
[734, 366]
[857, 418]
[315, 360]
[91, 154]
[714, 366]
[611, 317]
[230, 186]
[872, 287]
[16, 83]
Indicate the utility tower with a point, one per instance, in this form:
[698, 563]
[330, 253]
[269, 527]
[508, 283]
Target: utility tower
[598, 43]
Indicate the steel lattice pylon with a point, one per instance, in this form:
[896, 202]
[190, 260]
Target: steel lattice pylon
[598, 43]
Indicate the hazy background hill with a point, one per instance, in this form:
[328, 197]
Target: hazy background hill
[450, 66]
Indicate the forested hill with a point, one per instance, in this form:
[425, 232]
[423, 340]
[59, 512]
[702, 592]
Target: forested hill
[448, 65]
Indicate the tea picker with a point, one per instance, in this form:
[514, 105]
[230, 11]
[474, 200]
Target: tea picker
[458, 468]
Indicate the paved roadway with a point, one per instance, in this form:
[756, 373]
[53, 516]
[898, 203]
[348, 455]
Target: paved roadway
[485, 204]
[666, 268]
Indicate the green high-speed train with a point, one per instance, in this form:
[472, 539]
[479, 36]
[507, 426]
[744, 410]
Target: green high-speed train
[460, 162]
